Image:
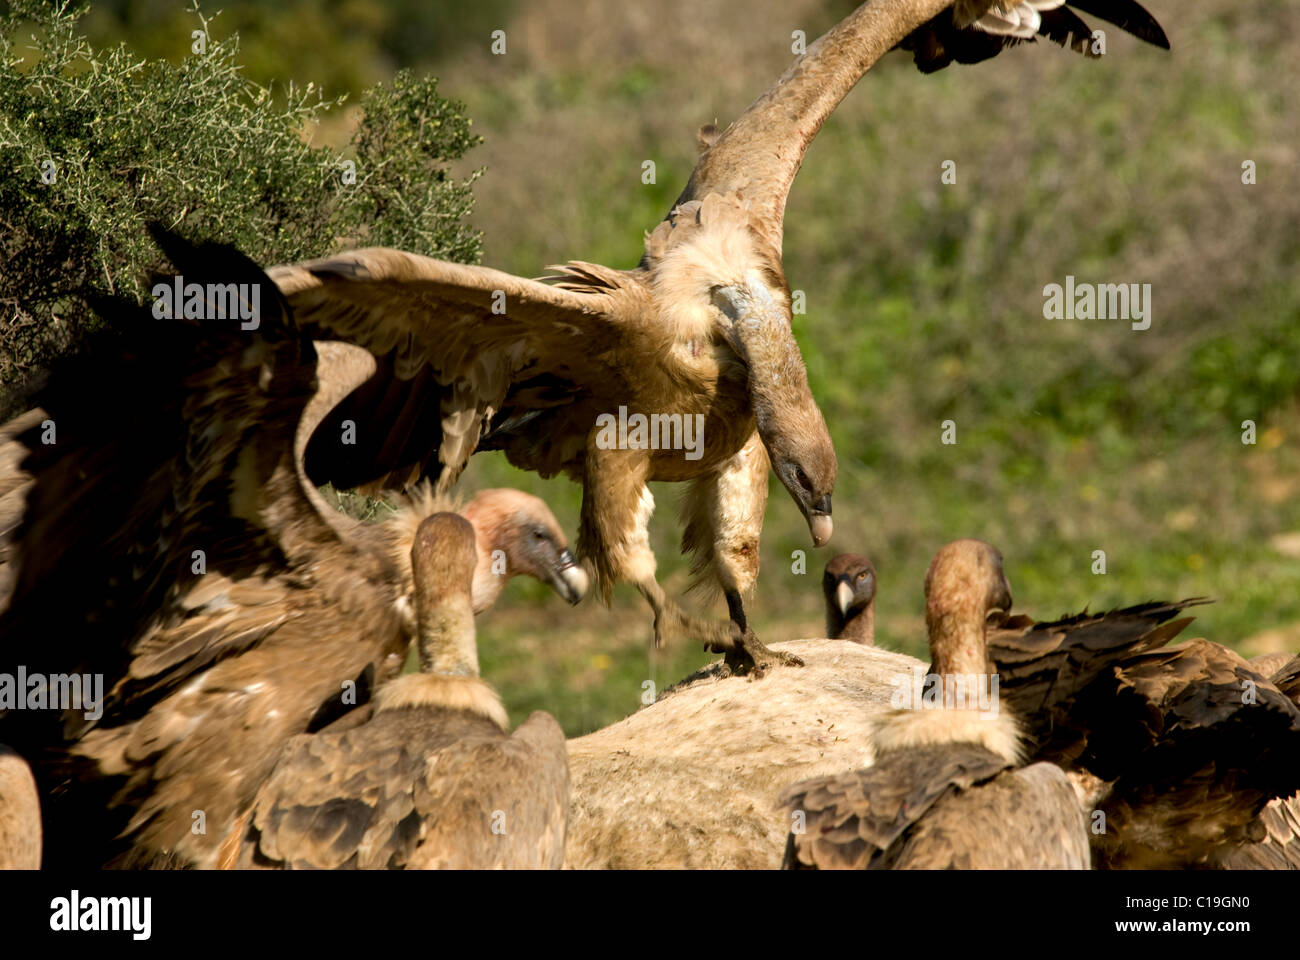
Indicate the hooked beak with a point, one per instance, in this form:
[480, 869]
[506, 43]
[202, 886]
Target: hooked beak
[819, 521]
[843, 597]
[569, 579]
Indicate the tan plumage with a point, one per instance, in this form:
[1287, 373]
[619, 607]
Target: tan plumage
[433, 780]
[943, 791]
[20, 814]
[700, 329]
[288, 614]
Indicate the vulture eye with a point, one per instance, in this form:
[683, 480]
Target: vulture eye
[862, 576]
[801, 478]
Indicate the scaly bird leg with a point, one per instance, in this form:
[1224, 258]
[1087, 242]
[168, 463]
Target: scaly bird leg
[746, 653]
[672, 620]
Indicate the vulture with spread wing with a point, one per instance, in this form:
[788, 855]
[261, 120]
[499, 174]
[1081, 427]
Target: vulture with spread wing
[162, 536]
[470, 358]
[947, 789]
[433, 779]
[969, 31]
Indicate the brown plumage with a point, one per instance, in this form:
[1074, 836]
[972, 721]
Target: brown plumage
[1280, 848]
[433, 779]
[969, 31]
[1161, 740]
[944, 791]
[849, 585]
[699, 330]
[1047, 670]
[700, 326]
[20, 814]
[227, 607]
[1195, 744]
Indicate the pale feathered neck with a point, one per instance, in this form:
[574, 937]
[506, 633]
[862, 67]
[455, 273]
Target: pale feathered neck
[995, 731]
[439, 691]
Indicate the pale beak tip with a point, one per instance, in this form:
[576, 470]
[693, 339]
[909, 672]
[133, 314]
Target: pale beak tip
[820, 526]
[844, 598]
[575, 583]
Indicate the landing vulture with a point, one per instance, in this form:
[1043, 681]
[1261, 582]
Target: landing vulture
[849, 585]
[947, 790]
[434, 779]
[695, 342]
[969, 31]
[167, 541]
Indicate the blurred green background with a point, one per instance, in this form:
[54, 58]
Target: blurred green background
[924, 300]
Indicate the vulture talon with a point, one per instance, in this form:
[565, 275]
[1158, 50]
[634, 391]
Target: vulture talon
[751, 657]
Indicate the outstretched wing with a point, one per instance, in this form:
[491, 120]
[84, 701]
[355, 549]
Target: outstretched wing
[1044, 669]
[851, 819]
[128, 493]
[461, 350]
[415, 790]
[970, 31]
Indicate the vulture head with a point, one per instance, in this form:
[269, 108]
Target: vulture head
[965, 588]
[443, 558]
[708, 252]
[849, 585]
[528, 537]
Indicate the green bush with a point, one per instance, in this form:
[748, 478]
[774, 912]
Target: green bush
[96, 143]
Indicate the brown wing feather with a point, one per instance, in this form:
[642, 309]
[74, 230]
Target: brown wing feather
[448, 356]
[1044, 668]
[415, 789]
[497, 802]
[1212, 744]
[1027, 819]
[198, 559]
[1280, 848]
[852, 819]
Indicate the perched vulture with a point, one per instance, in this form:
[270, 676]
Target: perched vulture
[169, 544]
[946, 790]
[969, 31]
[433, 779]
[20, 814]
[849, 584]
